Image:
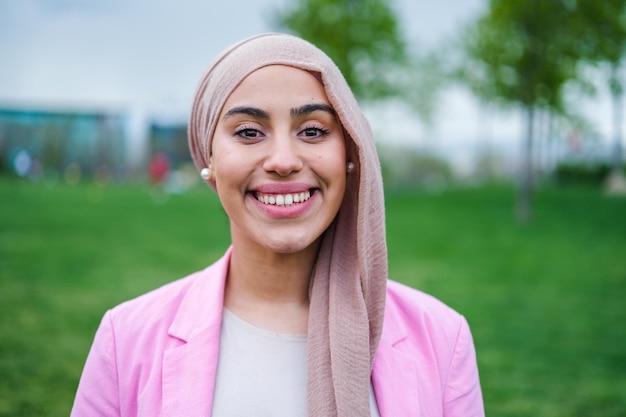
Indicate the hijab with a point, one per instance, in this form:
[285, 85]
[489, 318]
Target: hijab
[347, 293]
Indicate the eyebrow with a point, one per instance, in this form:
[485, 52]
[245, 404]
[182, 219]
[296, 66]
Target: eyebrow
[250, 111]
[310, 108]
[295, 112]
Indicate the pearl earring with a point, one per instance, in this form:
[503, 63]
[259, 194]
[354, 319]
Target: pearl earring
[205, 173]
[349, 167]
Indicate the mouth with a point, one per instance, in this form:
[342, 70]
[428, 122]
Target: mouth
[284, 200]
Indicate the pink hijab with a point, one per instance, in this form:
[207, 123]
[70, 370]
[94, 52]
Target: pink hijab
[348, 284]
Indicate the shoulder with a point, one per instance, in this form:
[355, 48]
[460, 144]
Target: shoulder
[155, 305]
[433, 344]
[421, 318]
[193, 300]
[404, 302]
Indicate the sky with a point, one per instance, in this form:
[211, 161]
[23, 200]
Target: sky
[144, 52]
[145, 57]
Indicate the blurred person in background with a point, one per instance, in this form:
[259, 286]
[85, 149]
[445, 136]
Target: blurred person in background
[158, 168]
[298, 318]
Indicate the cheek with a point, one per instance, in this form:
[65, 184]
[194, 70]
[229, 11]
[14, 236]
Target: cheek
[333, 165]
[224, 160]
[335, 158]
[228, 170]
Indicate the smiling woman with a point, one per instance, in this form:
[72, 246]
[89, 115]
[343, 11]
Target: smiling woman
[298, 317]
[278, 139]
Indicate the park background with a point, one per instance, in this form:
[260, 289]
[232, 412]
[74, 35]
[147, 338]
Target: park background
[100, 204]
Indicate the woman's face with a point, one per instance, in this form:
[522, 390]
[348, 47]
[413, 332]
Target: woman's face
[279, 160]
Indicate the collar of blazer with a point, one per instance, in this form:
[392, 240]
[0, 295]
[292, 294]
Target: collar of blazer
[189, 370]
[394, 374]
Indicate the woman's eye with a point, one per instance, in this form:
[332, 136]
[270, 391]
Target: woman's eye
[314, 132]
[248, 133]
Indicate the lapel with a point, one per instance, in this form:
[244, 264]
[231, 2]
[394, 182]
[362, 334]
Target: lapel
[189, 369]
[394, 374]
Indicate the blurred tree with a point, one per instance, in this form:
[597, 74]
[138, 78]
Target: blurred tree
[523, 52]
[603, 28]
[362, 37]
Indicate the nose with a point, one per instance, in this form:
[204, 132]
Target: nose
[284, 156]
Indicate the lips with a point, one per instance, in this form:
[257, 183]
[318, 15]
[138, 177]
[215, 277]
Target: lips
[283, 200]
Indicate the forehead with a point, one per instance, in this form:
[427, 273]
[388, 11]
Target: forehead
[278, 83]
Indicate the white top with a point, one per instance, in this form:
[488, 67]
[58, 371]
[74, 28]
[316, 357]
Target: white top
[261, 373]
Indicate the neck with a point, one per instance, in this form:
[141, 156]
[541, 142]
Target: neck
[270, 290]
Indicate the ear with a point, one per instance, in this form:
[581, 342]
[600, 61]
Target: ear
[211, 169]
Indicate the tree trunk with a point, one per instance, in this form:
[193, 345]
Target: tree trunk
[617, 94]
[540, 138]
[523, 205]
[549, 155]
[616, 181]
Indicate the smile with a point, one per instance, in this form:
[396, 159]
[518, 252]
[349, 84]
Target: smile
[283, 199]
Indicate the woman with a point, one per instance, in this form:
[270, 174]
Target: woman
[298, 317]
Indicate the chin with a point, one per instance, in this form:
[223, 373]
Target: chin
[287, 249]
[292, 246]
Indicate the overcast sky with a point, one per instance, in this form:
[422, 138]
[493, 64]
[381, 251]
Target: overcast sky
[149, 53]
[145, 57]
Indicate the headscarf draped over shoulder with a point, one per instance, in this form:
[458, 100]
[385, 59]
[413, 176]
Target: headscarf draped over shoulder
[348, 286]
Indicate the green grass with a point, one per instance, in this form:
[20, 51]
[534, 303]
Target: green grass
[545, 301]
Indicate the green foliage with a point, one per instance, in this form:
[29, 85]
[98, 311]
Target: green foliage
[594, 174]
[525, 51]
[366, 41]
[361, 36]
[601, 26]
[545, 301]
[522, 51]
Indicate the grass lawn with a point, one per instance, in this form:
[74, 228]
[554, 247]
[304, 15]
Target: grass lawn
[545, 301]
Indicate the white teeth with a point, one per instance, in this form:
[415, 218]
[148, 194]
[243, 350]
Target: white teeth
[284, 199]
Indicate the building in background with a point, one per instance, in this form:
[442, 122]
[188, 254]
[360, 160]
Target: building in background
[76, 144]
[169, 138]
[53, 143]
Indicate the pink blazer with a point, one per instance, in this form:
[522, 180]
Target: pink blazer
[156, 355]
